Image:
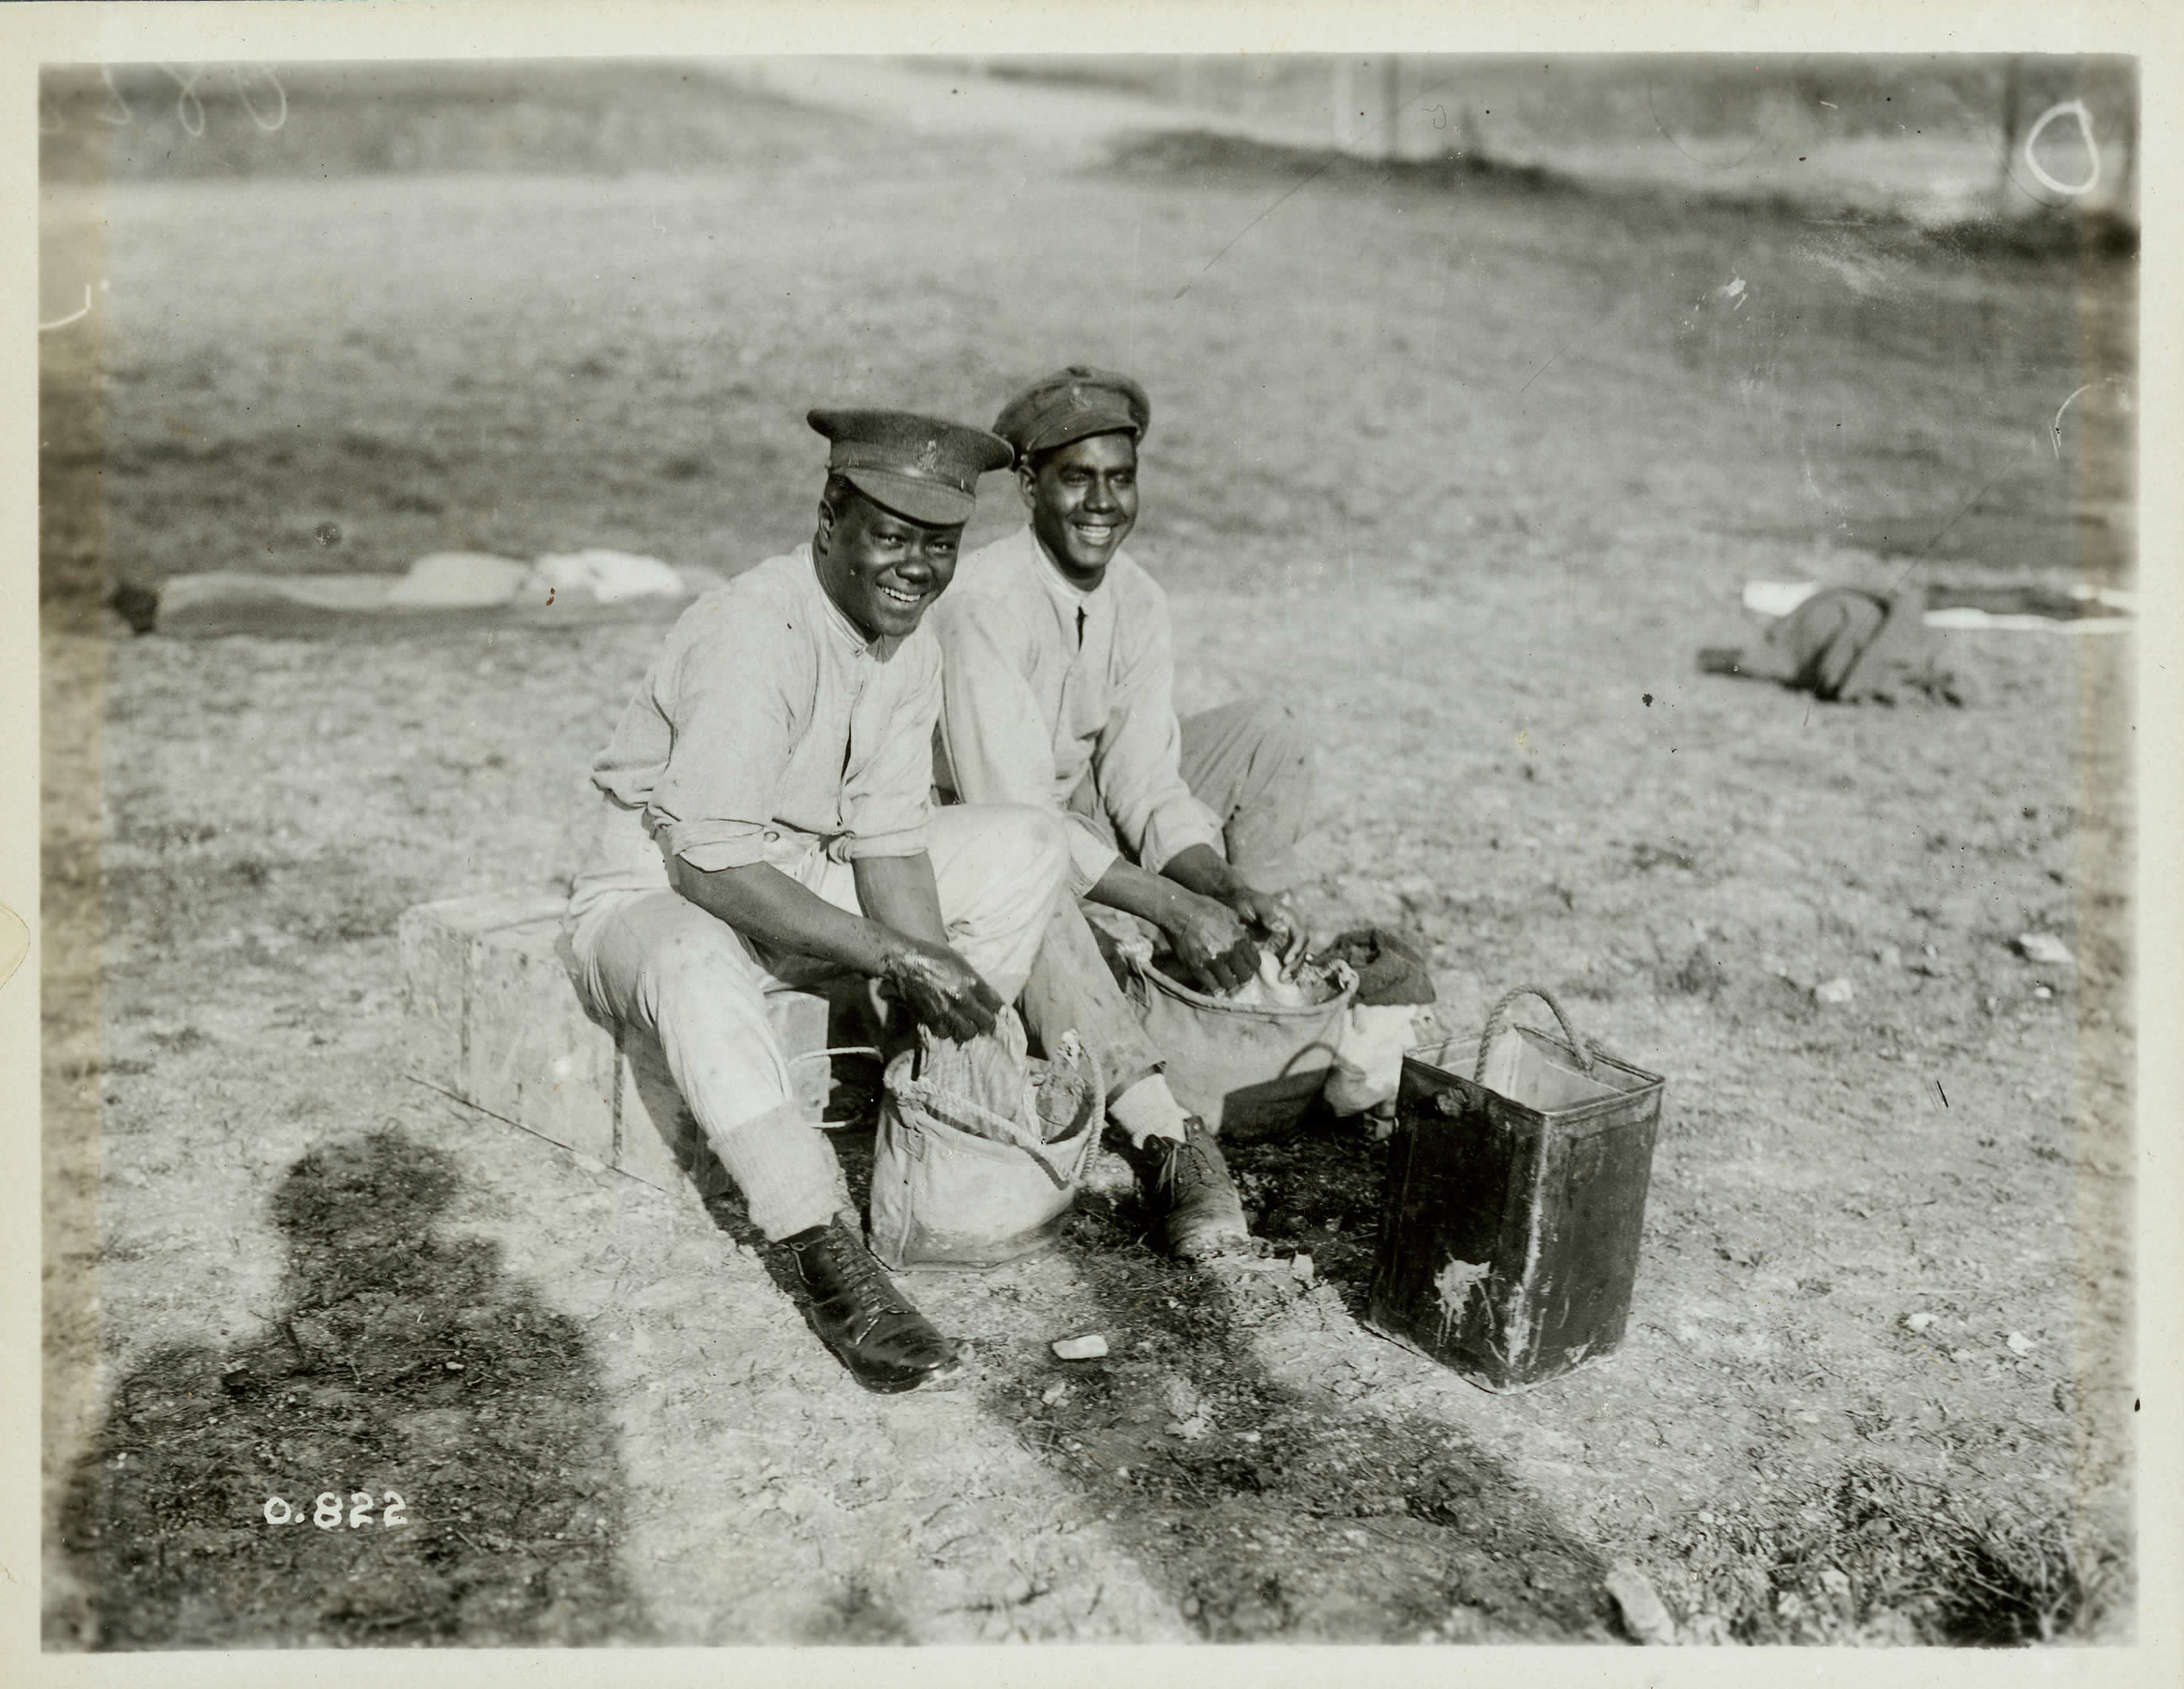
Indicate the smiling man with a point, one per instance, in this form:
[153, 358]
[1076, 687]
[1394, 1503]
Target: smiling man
[1059, 692]
[765, 820]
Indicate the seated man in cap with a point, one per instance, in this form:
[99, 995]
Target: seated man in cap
[765, 819]
[1059, 692]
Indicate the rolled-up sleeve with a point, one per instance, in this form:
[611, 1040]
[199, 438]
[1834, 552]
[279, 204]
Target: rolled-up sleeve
[993, 735]
[1090, 854]
[888, 808]
[733, 717]
[1138, 756]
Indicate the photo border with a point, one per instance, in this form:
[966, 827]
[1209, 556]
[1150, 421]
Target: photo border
[408, 30]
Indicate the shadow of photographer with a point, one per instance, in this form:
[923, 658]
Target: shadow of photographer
[435, 1434]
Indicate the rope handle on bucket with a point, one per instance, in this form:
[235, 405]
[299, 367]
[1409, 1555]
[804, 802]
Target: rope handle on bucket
[1500, 1014]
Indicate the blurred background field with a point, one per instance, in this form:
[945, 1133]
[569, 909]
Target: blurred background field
[1850, 381]
[1463, 454]
[1928, 135]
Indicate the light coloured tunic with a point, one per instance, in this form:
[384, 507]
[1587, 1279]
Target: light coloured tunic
[770, 729]
[1044, 685]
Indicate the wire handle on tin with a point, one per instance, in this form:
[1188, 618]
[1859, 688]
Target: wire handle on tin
[1500, 1014]
[865, 1050]
[838, 1050]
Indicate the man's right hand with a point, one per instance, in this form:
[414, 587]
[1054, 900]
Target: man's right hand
[1211, 942]
[940, 988]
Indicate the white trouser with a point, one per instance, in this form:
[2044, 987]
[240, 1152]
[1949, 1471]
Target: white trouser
[652, 958]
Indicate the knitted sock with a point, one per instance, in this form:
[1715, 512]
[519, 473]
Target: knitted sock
[1148, 1109]
[786, 1169]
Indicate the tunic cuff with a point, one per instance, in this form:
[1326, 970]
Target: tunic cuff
[1174, 830]
[1091, 856]
[709, 846]
[908, 841]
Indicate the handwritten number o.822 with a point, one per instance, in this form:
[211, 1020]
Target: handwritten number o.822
[328, 1514]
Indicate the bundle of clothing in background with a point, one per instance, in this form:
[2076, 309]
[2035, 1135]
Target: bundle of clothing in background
[1846, 646]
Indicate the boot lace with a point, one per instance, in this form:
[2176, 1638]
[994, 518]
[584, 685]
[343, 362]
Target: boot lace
[1189, 1167]
[861, 1273]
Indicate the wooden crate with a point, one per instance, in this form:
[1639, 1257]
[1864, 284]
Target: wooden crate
[495, 1022]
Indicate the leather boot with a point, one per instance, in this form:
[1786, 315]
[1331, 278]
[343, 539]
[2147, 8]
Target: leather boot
[874, 1331]
[1192, 1200]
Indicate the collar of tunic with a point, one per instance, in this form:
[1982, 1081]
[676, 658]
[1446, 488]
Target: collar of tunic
[1085, 620]
[878, 647]
[1058, 584]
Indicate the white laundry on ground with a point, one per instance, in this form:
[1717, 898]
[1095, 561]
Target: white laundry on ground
[609, 576]
[458, 580]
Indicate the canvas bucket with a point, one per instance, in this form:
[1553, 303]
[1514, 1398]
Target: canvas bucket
[1247, 1070]
[943, 1196]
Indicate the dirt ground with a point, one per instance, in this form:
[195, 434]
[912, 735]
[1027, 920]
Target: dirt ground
[1467, 469]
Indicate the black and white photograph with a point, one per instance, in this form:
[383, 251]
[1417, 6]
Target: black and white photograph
[1431, 936]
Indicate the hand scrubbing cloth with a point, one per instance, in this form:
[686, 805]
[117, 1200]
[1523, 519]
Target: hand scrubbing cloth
[1847, 646]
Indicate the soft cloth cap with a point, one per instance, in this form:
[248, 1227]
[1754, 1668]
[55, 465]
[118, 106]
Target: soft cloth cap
[1073, 404]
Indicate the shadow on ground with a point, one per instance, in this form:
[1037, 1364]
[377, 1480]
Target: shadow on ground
[1270, 1512]
[405, 1370]
[1294, 1515]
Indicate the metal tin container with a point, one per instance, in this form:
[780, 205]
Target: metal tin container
[1510, 1221]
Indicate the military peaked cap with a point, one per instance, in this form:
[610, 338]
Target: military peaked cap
[1073, 404]
[917, 466]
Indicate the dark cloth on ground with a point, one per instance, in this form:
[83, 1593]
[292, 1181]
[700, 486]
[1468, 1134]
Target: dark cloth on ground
[1390, 971]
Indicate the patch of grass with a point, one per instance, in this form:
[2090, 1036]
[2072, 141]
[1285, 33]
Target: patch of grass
[1699, 974]
[331, 898]
[2099, 236]
[2041, 234]
[1871, 1555]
